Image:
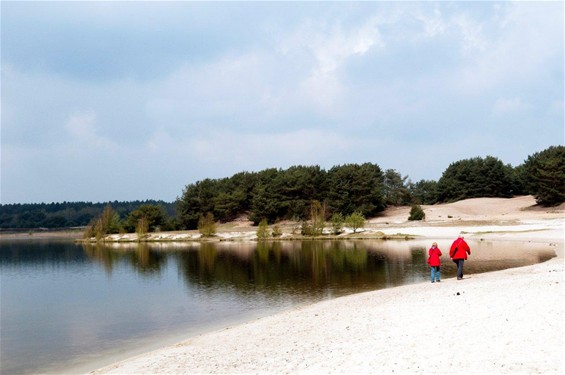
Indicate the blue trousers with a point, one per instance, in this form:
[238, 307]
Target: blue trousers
[459, 263]
[436, 273]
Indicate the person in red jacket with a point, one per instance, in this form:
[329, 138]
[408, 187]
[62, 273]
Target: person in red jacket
[458, 253]
[434, 261]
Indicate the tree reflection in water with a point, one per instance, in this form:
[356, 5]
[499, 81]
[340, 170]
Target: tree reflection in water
[138, 256]
[310, 267]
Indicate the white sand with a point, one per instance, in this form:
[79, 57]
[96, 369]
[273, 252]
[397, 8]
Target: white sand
[509, 321]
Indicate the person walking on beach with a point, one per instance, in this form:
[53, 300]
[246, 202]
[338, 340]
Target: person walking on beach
[435, 263]
[458, 253]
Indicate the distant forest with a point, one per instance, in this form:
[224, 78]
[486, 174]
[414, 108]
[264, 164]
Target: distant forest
[279, 194]
[67, 214]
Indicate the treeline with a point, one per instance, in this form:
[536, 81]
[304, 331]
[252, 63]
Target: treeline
[280, 194]
[542, 175]
[68, 214]
[277, 194]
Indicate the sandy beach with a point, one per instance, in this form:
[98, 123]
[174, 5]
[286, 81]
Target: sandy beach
[509, 321]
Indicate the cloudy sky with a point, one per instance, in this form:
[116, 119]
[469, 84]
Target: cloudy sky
[134, 100]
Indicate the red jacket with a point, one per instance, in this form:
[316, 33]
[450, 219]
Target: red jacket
[459, 249]
[434, 254]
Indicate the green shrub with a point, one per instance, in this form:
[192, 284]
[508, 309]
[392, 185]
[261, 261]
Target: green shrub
[107, 223]
[263, 230]
[317, 217]
[277, 231]
[306, 229]
[417, 213]
[142, 227]
[355, 221]
[207, 225]
[337, 223]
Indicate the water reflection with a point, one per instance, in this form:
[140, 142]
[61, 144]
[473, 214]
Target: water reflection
[336, 267]
[39, 253]
[138, 256]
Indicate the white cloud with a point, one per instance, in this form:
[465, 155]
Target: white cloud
[324, 47]
[434, 24]
[81, 125]
[321, 92]
[333, 47]
[518, 49]
[473, 41]
[82, 129]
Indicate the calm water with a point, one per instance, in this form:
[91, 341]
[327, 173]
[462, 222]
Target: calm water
[66, 306]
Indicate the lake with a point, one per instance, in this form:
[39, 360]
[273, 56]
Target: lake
[68, 308]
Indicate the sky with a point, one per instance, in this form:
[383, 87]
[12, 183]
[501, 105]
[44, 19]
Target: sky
[104, 101]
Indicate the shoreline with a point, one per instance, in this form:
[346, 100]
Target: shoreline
[476, 216]
[407, 329]
[510, 321]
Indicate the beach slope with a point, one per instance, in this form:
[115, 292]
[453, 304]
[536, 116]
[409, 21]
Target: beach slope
[509, 321]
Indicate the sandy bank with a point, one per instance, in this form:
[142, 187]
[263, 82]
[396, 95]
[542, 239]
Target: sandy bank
[502, 322]
[508, 321]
